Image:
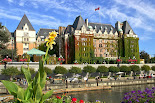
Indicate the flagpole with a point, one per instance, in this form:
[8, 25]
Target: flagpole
[99, 17]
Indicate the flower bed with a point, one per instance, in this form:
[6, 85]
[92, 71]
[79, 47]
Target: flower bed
[146, 96]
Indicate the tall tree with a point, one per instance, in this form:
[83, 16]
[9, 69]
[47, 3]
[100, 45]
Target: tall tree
[145, 55]
[4, 39]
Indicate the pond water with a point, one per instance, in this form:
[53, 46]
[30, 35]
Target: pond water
[115, 95]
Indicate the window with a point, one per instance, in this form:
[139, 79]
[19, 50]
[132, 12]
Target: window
[100, 50]
[100, 45]
[96, 55]
[25, 28]
[100, 41]
[27, 39]
[25, 44]
[24, 39]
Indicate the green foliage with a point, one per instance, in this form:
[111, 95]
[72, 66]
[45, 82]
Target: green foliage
[75, 70]
[32, 71]
[10, 71]
[60, 70]
[153, 68]
[125, 69]
[146, 68]
[102, 69]
[33, 93]
[48, 70]
[135, 68]
[144, 55]
[113, 69]
[89, 69]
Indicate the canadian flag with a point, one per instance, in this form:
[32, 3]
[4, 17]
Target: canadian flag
[97, 8]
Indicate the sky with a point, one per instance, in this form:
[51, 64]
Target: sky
[54, 13]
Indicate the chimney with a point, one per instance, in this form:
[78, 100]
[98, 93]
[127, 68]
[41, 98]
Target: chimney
[86, 21]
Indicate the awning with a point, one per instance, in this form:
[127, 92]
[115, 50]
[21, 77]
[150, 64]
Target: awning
[35, 52]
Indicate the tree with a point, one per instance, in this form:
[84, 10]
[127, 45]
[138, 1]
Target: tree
[135, 68]
[75, 70]
[113, 69]
[146, 68]
[125, 69]
[55, 49]
[102, 69]
[10, 71]
[4, 39]
[145, 55]
[153, 68]
[60, 70]
[48, 70]
[152, 60]
[89, 69]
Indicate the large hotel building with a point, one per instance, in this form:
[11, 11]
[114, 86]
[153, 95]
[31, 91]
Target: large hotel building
[82, 42]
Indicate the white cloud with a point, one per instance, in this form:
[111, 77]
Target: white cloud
[10, 1]
[141, 7]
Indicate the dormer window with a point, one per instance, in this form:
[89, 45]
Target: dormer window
[95, 26]
[105, 28]
[111, 28]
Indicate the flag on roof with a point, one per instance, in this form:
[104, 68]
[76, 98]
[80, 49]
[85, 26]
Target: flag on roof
[97, 8]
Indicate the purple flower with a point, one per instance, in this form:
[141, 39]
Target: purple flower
[147, 100]
[137, 100]
[153, 88]
[140, 92]
[133, 91]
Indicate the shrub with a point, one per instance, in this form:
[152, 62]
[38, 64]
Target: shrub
[48, 70]
[60, 70]
[125, 69]
[102, 69]
[135, 68]
[10, 71]
[89, 69]
[153, 68]
[113, 69]
[146, 68]
[75, 70]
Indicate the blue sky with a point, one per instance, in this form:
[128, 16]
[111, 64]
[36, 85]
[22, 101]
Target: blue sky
[54, 13]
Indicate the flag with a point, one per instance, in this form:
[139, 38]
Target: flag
[97, 8]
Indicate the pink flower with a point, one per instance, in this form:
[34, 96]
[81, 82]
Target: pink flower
[74, 99]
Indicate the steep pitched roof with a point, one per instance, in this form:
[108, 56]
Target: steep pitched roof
[68, 29]
[6, 30]
[99, 25]
[78, 23]
[126, 28]
[45, 32]
[23, 21]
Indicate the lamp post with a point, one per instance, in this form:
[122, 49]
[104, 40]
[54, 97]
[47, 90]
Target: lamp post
[23, 59]
[118, 60]
[5, 62]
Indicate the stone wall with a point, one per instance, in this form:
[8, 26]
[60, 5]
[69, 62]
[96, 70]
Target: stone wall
[68, 66]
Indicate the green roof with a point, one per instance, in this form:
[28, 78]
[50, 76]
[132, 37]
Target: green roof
[35, 52]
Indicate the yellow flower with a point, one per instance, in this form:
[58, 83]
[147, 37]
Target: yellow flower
[50, 40]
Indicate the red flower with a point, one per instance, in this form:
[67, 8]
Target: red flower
[58, 97]
[74, 99]
[59, 59]
[81, 101]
